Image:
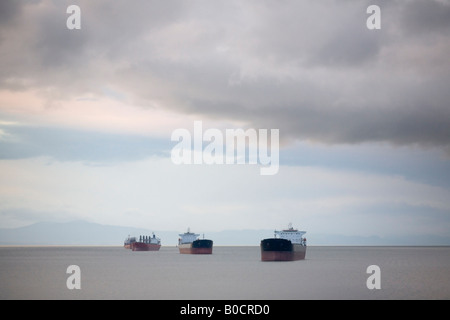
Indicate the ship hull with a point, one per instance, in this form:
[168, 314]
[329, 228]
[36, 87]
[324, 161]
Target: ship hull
[140, 246]
[201, 246]
[275, 249]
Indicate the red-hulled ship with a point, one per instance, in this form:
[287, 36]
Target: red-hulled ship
[145, 243]
[128, 242]
[287, 245]
[189, 243]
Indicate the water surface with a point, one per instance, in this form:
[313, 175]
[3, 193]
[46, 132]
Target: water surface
[229, 273]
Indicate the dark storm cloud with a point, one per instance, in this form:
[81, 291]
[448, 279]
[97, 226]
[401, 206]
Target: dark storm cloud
[8, 10]
[39, 51]
[426, 17]
[311, 69]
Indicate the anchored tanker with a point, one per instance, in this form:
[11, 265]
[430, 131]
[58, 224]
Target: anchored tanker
[287, 245]
[145, 243]
[189, 243]
[129, 242]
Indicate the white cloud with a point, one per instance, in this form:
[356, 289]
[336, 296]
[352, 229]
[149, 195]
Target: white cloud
[162, 196]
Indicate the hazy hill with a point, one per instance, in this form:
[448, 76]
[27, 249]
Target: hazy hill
[86, 233]
[70, 233]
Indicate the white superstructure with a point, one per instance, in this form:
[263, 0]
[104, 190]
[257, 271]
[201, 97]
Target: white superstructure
[187, 237]
[291, 234]
[147, 239]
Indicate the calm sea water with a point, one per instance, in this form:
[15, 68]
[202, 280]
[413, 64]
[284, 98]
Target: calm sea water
[229, 273]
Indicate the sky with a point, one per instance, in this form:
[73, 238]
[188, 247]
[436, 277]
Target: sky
[86, 115]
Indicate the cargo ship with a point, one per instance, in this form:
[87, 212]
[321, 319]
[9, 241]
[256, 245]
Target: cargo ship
[287, 245]
[189, 243]
[128, 242]
[145, 243]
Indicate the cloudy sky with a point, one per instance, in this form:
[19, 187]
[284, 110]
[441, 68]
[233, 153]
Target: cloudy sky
[86, 115]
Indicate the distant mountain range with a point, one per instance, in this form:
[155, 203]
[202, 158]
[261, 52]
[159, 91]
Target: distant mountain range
[87, 233]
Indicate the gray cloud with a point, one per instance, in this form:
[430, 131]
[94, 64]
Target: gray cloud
[311, 69]
[8, 11]
[426, 18]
